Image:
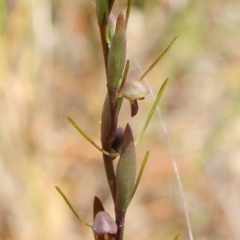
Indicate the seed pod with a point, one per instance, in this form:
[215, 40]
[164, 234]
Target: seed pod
[126, 172]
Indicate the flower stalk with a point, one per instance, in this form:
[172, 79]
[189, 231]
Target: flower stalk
[115, 140]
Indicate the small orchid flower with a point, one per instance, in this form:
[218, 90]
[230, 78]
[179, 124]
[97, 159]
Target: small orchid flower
[134, 90]
[104, 226]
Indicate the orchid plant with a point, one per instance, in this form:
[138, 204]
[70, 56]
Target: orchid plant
[117, 143]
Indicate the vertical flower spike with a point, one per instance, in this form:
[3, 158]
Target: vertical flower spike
[126, 172]
[117, 55]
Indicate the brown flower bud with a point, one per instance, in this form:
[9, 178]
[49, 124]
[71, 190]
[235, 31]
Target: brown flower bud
[118, 140]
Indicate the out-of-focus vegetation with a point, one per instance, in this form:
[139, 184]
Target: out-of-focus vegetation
[51, 67]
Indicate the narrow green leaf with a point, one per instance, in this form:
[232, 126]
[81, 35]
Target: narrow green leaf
[3, 11]
[126, 172]
[71, 207]
[177, 237]
[102, 10]
[117, 55]
[119, 103]
[152, 110]
[90, 140]
[125, 72]
[106, 119]
[158, 59]
[128, 12]
[120, 90]
[145, 159]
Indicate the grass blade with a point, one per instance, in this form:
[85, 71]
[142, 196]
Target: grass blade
[125, 72]
[177, 237]
[90, 140]
[141, 172]
[71, 207]
[128, 12]
[158, 59]
[152, 110]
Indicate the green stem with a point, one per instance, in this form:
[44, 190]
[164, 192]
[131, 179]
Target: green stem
[105, 48]
[108, 129]
[120, 221]
[110, 173]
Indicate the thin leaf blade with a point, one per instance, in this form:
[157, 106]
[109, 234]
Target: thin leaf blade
[89, 139]
[71, 207]
[159, 58]
[177, 237]
[125, 72]
[152, 110]
[144, 162]
[128, 12]
[125, 172]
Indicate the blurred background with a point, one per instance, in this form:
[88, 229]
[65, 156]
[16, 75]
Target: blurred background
[51, 67]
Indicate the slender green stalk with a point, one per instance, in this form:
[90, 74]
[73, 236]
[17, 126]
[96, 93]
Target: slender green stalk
[128, 11]
[158, 59]
[120, 220]
[115, 140]
[71, 207]
[155, 104]
[144, 162]
[90, 140]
